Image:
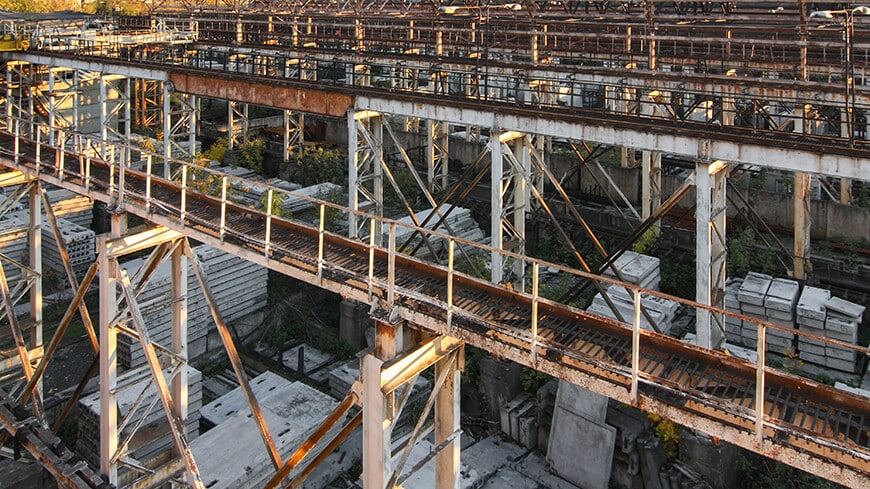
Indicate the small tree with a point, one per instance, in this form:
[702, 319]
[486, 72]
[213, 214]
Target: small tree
[318, 165]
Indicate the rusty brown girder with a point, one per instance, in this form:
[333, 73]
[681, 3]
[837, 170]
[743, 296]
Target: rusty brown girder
[804, 423]
[46, 448]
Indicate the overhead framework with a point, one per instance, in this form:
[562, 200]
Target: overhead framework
[515, 77]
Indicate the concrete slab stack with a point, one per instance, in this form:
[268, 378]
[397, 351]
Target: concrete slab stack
[662, 311]
[638, 269]
[811, 313]
[231, 403]
[13, 244]
[295, 204]
[779, 307]
[733, 326]
[292, 411]
[80, 243]
[239, 287]
[751, 297]
[71, 206]
[154, 435]
[841, 323]
[519, 420]
[459, 220]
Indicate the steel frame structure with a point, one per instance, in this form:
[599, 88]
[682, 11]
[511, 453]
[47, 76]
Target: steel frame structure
[491, 68]
[751, 419]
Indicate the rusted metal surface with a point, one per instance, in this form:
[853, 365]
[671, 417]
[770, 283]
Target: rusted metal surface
[699, 388]
[312, 101]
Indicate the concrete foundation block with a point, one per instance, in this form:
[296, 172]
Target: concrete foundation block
[574, 439]
[815, 348]
[713, 459]
[353, 323]
[782, 295]
[500, 382]
[841, 354]
[811, 304]
[844, 308]
[754, 288]
[581, 402]
[843, 326]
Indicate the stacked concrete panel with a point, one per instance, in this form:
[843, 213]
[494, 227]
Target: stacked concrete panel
[459, 220]
[232, 455]
[519, 420]
[80, 243]
[638, 269]
[154, 436]
[779, 306]
[811, 313]
[841, 323]
[662, 311]
[751, 297]
[13, 244]
[239, 287]
[74, 208]
[733, 326]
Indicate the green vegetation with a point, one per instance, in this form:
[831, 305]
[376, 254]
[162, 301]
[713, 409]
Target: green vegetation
[318, 165]
[647, 241]
[758, 472]
[669, 433]
[278, 209]
[332, 215]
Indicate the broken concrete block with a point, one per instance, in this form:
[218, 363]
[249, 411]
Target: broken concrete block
[844, 308]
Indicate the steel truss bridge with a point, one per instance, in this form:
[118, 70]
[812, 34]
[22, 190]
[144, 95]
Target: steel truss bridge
[724, 84]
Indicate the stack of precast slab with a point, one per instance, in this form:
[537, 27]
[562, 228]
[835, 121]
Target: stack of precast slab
[765, 298]
[662, 311]
[239, 288]
[459, 221]
[638, 269]
[138, 393]
[820, 314]
[13, 245]
[80, 244]
[232, 455]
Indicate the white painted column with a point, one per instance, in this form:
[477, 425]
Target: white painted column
[179, 386]
[710, 250]
[352, 173]
[35, 255]
[167, 129]
[496, 205]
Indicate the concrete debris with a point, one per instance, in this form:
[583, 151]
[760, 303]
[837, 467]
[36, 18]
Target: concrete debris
[638, 269]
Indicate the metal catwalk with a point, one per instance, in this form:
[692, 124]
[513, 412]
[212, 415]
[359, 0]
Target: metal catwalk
[789, 418]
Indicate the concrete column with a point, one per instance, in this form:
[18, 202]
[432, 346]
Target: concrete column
[167, 129]
[710, 250]
[104, 116]
[108, 363]
[521, 199]
[35, 256]
[446, 424]
[52, 106]
[496, 204]
[193, 117]
[8, 99]
[651, 184]
[178, 285]
[377, 428]
[352, 173]
[845, 191]
[802, 225]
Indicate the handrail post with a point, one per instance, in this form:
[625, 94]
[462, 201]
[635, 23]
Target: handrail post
[268, 237]
[87, 173]
[320, 237]
[759, 384]
[451, 245]
[391, 266]
[121, 179]
[148, 183]
[60, 154]
[371, 258]
[223, 225]
[535, 297]
[635, 346]
[16, 143]
[183, 193]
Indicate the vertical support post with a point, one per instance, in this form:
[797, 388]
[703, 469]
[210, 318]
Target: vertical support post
[802, 225]
[268, 237]
[651, 184]
[710, 250]
[167, 129]
[635, 345]
[52, 106]
[451, 247]
[846, 191]
[352, 173]
[376, 426]
[178, 265]
[437, 154]
[223, 225]
[447, 423]
[104, 117]
[496, 205]
[522, 176]
[192, 120]
[761, 351]
[35, 252]
[535, 299]
[108, 364]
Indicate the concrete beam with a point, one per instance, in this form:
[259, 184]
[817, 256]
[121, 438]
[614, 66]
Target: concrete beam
[151, 72]
[666, 141]
[403, 369]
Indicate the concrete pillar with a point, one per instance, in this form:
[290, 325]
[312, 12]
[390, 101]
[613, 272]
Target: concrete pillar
[651, 184]
[178, 265]
[108, 363]
[710, 250]
[496, 205]
[35, 256]
[167, 129]
[352, 173]
[802, 224]
[522, 195]
[845, 191]
[446, 424]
